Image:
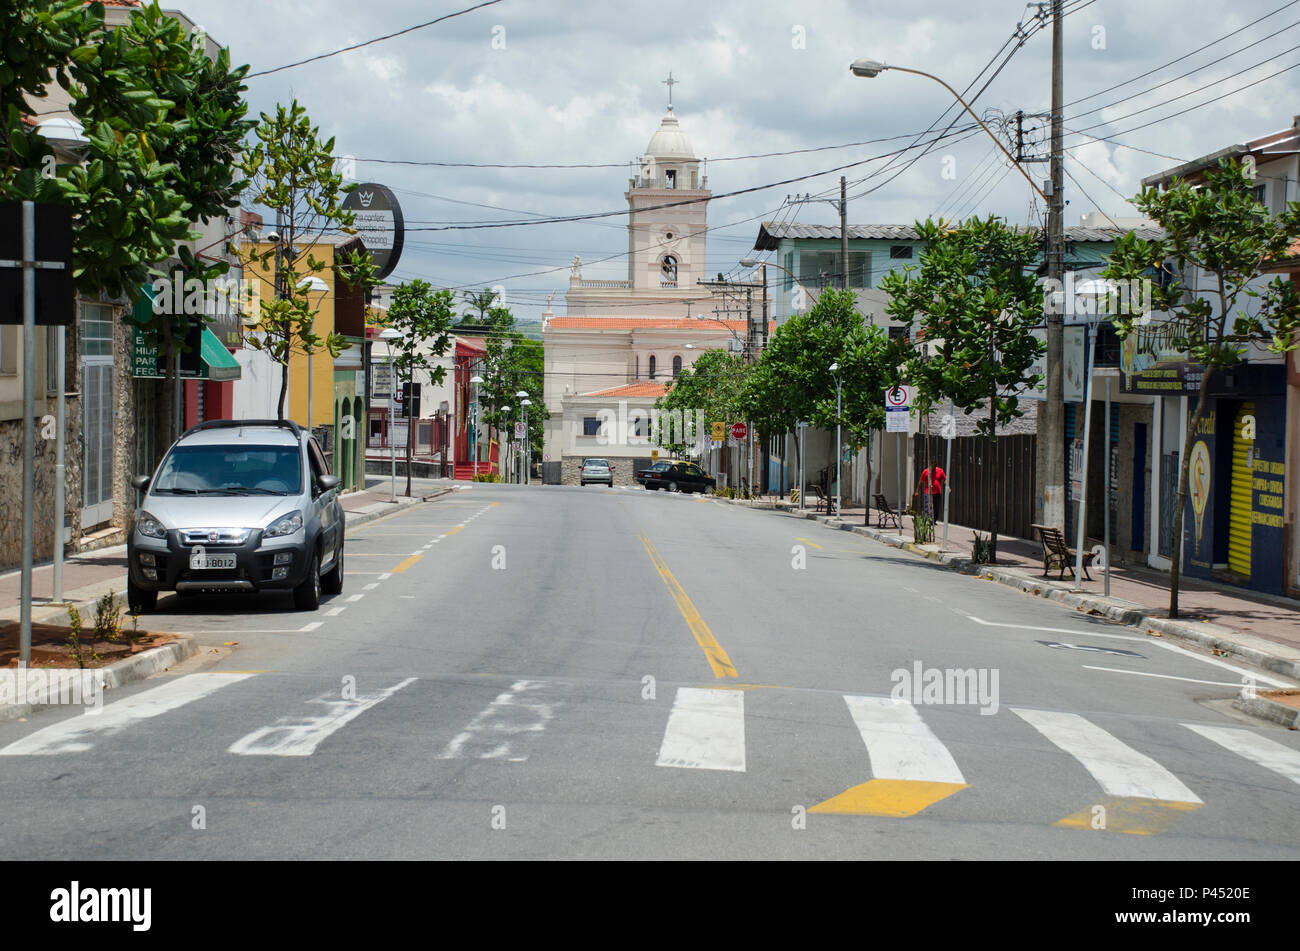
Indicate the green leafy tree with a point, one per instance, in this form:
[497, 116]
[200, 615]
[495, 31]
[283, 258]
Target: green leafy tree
[165, 123]
[480, 302]
[293, 174]
[1216, 227]
[713, 386]
[424, 318]
[976, 299]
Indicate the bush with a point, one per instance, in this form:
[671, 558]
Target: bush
[923, 529]
[487, 477]
[108, 618]
[981, 550]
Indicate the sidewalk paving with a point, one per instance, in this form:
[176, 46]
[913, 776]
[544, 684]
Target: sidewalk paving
[1258, 628]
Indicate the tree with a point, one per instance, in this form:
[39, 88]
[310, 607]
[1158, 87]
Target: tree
[1219, 228]
[481, 302]
[423, 317]
[976, 300]
[165, 125]
[293, 174]
[712, 387]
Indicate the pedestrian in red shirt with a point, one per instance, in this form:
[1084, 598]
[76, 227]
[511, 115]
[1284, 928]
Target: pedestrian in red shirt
[931, 487]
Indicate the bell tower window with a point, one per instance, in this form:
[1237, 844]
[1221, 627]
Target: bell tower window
[670, 178]
[668, 271]
[652, 366]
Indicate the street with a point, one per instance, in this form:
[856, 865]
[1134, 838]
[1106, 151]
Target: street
[561, 672]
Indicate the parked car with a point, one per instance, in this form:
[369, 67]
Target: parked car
[238, 505]
[657, 467]
[596, 470]
[680, 477]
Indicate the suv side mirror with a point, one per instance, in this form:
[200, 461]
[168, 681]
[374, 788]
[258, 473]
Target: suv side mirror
[140, 482]
[327, 482]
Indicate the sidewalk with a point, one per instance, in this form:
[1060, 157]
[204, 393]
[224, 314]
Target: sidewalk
[88, 576]
[1259, 628]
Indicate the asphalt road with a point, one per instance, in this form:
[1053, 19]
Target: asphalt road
[556, 672]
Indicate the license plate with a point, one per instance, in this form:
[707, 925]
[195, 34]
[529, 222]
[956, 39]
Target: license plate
[202, 560]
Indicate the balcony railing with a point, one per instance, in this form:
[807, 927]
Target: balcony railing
[613, 285]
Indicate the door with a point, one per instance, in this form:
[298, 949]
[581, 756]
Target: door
[1239, 507]
[96, 414]
[1139, 493]
[327, 507]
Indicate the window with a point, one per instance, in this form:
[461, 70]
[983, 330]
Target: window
[822, 268]
[52, 361]
[652, 366]
[668, 270]
[97, 413]
[900, 252]
[670, 178]
[898, 333]
[590, 426]
[640, 423]
[8, 349]
[677, 367]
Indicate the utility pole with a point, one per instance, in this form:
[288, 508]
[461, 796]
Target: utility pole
[1051, 428]
[844, 235]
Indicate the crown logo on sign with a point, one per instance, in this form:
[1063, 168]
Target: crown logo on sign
[366, 198]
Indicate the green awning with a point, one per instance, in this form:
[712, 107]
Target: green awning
[220, 364]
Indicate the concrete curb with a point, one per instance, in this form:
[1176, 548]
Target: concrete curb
[1253, 650]
[1271, 710]
[140, 667]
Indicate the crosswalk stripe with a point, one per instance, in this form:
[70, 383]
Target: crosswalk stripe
[1117, 767]
[1267, 753]
[76, 734]
[706, 730]
[513, 713]
[299, 736]
[899, 743]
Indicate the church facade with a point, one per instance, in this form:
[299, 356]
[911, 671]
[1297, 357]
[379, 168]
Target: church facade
[619, 343]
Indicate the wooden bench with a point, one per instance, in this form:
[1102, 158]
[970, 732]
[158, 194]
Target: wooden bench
[1056, 553]
[884, 513]
[823, 500]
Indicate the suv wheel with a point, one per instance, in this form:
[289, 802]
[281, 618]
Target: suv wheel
[306, 597]
[672, 486]
[139, 601]
[332, 583]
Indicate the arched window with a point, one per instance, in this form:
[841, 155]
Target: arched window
[668, 271]
[677, 367]
[652, 366]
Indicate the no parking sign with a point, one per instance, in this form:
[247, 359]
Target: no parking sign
[897, 403]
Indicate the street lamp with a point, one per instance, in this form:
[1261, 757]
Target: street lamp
[839, 450]
[473, 423]
[314, 285]
[388, 335]
[869, 69]
[526, 446]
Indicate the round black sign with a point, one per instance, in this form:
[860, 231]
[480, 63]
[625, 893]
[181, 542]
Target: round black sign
[379, 223]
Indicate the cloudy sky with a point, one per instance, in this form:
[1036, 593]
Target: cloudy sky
[579, 82]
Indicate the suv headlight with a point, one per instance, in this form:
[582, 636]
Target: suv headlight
[285, 525]
[149, 526]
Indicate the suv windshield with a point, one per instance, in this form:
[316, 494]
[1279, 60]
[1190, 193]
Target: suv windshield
[230, 470]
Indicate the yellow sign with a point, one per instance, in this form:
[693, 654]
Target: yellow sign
[654, 455]
[719, 432]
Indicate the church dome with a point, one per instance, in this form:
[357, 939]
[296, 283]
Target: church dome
[670, 142]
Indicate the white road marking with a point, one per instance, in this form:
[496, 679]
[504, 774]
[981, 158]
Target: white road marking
[1267, 753]
[418, 551]
[913, 590]
[934, 599]
[299, 736]
[1117, 767]
[1148, 641]
[899, 743]
[706, 730]
[371, 587]
[489, 735]
[312, 626]
[385, 575]
[1144, 673]
[75, 734]
[353, 598]
[334, 612]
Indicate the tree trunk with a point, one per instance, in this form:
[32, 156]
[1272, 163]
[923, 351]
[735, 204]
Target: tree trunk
[1184, 466]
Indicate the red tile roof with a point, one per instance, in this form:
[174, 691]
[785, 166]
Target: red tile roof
[633, 389]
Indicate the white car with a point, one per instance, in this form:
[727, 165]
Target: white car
[596, 470]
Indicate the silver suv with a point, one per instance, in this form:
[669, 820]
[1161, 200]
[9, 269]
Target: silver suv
[238, 505]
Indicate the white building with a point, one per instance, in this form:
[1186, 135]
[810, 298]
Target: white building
[611, 354]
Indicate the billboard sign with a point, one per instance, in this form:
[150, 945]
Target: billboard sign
[379, 224]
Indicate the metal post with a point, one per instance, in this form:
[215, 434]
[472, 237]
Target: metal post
[524, 450]
[803, 439]
[947, 477]
[60, 473]
[844, 233]
[29, 429]
[1105, 540]
[1083, 480]
[392, 420]
[838, 448]
[1052, 424]
[898, 474]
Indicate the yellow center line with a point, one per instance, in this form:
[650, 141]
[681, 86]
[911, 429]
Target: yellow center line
[713, 652]
[813, 543]
[453, 531]
[407, 563]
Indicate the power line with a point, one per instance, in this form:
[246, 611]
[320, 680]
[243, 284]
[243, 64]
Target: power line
[378, 39]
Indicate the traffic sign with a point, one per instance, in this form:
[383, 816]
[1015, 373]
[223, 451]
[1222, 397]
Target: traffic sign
[739, 431]
[900, 397]
[519, 430]
[719, 432]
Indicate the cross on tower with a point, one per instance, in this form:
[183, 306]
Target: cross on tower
[670, 83]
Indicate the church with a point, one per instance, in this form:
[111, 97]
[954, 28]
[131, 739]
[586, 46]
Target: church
[620, 342]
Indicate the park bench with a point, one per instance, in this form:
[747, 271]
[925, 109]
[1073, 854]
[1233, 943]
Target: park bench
[823, 500]
[884, 513]
[1056, 553]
